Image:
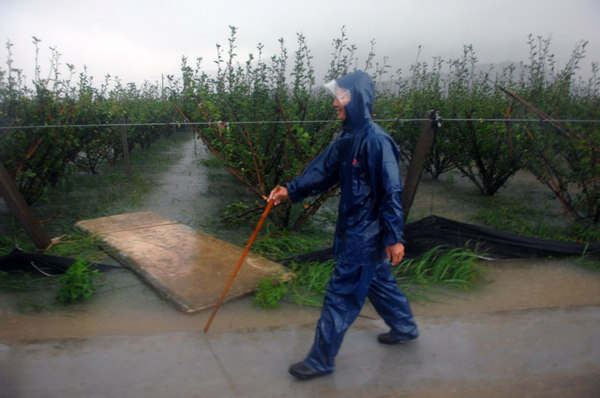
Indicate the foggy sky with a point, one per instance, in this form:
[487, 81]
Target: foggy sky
[141, 40]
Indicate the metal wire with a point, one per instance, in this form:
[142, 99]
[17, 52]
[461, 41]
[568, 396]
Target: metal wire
[178, 124]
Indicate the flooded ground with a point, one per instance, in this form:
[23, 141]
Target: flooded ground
[128, 306]
[192, 193]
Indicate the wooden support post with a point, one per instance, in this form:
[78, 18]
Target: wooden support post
[173, 130]
[195, 139]
[415, 169]
[125, 148]
[17, 205]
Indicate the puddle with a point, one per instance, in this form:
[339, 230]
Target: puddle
[192, 193]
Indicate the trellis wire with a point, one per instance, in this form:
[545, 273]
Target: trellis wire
[177, 124]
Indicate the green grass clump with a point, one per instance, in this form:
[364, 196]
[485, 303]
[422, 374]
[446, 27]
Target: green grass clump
[310, 282]
[441, 266]
[284, 244]
[269, 292]
[78, 283]
[307, 287]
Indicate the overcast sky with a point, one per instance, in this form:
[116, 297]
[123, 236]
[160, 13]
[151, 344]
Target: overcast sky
[140, 40]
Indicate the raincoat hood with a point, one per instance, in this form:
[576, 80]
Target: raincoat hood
[362, 94]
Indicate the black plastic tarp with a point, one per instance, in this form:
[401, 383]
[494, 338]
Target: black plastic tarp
[18, 260]
[434, 231]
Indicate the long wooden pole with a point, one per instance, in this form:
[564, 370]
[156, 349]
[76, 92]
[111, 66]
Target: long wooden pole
[239, 263]
[419, 156]
[125, 148]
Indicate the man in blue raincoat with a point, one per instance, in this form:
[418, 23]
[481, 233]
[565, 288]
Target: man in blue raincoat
[364, 160]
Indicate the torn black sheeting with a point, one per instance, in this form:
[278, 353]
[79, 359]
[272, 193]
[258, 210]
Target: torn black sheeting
[47, 265]
[433, 231]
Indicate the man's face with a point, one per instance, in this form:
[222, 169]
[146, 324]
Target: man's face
[339, 108]
[342, 98]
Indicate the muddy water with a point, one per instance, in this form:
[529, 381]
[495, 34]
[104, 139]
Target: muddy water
[193, 194]
[130, 307]
[176, 195]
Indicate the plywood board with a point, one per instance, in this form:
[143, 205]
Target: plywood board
[186, 266]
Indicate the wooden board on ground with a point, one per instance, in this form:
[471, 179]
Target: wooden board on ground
[188, 267]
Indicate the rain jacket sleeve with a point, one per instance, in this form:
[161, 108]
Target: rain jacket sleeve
[318, 176]
[387, 184]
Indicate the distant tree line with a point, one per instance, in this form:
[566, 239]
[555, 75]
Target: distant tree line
[266, 118]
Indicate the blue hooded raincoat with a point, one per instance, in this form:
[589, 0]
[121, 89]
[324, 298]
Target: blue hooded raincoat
[364, 160]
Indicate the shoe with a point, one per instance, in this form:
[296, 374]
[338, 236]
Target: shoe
[391, 339]
[303, 372]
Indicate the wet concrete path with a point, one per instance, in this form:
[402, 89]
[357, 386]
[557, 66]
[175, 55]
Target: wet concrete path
[537, 353]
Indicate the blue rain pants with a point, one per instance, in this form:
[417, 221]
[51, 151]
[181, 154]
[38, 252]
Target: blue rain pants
[347, 290]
